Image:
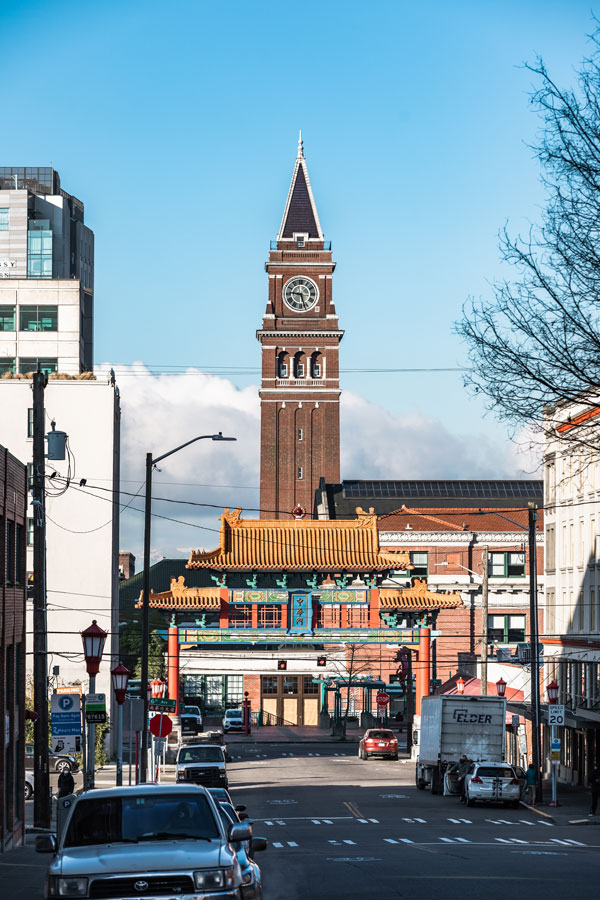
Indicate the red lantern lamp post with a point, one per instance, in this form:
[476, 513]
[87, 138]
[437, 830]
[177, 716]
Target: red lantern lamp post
[460, 685]
[120, 679]
[501, 687]
[552, 691]
[93, 646]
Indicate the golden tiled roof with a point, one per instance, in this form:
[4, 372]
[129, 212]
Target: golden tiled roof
[301, 544]
[418, 597]
[182, 597]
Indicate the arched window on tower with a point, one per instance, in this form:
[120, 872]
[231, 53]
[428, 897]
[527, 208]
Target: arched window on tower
[283, 365]
[316, 365]
[300, 365]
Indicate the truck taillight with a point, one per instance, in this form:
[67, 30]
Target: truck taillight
[476, 780]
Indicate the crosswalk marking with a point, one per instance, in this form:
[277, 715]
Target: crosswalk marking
[374, 821]
[459, 821]
[558, 841]
[327, 822]
[390, 841]
[315, 821]
[526, 822]
[268, 822]
[363, 821]
[277, 844]
[447, 840]
[543, 822]
[292, 844]
[406, 841]
[502, 840]
[421, 821]
[351, 842]
[577, 843]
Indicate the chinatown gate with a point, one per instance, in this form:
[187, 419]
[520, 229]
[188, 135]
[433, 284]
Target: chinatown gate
[293, 604]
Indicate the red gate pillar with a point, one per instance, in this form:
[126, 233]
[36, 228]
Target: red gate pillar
[423, 673]
[173, 666]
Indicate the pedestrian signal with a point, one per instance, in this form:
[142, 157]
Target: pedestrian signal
[282, 665]
[321, 662]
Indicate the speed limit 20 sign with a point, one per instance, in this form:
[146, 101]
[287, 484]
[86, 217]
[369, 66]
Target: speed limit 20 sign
[556, 714]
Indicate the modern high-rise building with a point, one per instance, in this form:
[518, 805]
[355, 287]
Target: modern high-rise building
[46, 275]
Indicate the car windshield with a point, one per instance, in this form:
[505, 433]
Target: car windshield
[142, 817]
[495, 772]
[233, 714]
[219, 794]
[380, 735]
[201, 755]
[191, 710]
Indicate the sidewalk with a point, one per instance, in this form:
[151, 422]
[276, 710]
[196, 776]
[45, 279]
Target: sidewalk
[573, 809]
[22, 872]
[292, 734]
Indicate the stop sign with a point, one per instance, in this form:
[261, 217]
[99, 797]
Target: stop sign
[161, 726]
[382, 698]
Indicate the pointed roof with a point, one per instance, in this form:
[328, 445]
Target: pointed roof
[300, 214]
[299, 544]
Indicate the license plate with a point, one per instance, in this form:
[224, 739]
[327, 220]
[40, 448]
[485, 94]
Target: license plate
[381, 744]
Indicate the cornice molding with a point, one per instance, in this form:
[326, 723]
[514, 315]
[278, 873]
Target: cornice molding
[301, 332]
[395, 538]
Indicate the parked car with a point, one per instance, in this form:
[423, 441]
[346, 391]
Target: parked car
[233, 720]
[202, 764]
[191, 720]
[220, 795]
[146, 840]
[60, 762]
[493, 782]
[378, 742]
[251, 876]
[28, 785]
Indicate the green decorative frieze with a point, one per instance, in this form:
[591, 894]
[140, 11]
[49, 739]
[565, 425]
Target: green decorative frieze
[409, 636]
[260, 596]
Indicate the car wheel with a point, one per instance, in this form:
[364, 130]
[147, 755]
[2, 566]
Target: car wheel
[63, 765]
[470, 802]
[359, 753]
[395, 756]
[28, 791]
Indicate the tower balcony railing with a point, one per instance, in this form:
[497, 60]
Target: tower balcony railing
[299, 382]
[307, 247]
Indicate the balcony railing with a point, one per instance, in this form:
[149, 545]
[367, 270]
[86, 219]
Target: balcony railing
[326, 245]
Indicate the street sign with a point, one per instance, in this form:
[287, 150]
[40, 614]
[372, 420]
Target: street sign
[382, 698]
[95, 708]
[161, 726]
[159, 745]
[65, 716]
[555, 755]
[556, 714]
[162, 704]
[70, 689]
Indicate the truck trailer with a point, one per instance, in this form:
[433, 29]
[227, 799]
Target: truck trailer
[452, 724]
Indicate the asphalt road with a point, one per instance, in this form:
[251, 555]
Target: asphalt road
[339, 827]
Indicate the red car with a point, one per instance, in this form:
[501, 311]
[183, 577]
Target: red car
[378, 742]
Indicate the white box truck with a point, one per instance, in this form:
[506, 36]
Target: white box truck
[451, 725]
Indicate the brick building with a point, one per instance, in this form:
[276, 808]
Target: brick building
[300, 336]
[13, 524]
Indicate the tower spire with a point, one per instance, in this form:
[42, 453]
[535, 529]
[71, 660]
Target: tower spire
[300, 145]
[300, 215]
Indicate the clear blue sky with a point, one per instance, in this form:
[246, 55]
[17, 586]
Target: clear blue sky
[176, 124]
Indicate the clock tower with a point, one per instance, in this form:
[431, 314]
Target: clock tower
[300, 337]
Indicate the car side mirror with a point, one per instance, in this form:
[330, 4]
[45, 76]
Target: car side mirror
[239, 832]
[257, 844]
[45, 843]
[241, 807]
[242, 816]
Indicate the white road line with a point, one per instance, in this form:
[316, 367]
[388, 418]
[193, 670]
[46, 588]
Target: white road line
[447, 840]
[518, 841]
[502, 840]
[543, 822]
[279, 822]
[493, 821]
[363, 821]
[268, 822]
[558, 841]
[375, 821]
[292, 844]
[315, 821]
[463, 840]
[577, 843]
[310, 754]
[277, 844]
[390, 841]
[327, 822]
[422, 821]
[350, 842]
[406, 841]
[526, 822]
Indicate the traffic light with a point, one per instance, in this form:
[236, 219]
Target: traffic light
[321, 662]
[282, 665]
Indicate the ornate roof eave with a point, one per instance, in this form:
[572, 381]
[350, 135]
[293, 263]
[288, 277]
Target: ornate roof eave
[182, 597]
[419, 597]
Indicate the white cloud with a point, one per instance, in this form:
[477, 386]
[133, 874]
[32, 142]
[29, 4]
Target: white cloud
[161, 411]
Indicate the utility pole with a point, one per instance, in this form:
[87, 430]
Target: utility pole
[41, 775]
[146, 617]
[534, 651]
[484, 621]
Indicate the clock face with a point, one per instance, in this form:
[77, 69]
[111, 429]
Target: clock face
[300, 293]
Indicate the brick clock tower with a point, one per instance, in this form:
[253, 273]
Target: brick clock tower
[300, 337]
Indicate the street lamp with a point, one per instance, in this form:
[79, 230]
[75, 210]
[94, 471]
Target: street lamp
[150, 463]
[552, 690]
[460, 685]
[484, 612]
[93, 646]
[501, 687]
[120, 678]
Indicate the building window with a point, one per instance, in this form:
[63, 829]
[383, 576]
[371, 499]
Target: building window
[507, 565]
[419, 561]
[234, 690]
[506, 629]
[30, 529]
[299, 370]
[290, 684]
[30, 364]
[269, 684]
[10, 551]
[300, 433]
[300, 241]
[240, 615]
[358, 616]
[38, 318]
[30, 434]
[592, 609]
[309, 686]
[269, 616]
[39, 249]
[29, 465]
[7, 318]
[20, 556]
[300, 474]
[282, 370]
[7, 365]
[4, 219]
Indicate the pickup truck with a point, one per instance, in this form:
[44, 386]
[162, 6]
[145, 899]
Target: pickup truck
[202, 764]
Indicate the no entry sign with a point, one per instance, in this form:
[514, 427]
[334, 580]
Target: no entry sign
[161, 726]
[382, 698]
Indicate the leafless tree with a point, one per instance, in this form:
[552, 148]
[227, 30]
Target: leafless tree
[536, 344]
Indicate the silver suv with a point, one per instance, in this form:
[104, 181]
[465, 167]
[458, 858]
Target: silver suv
[146, 840]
